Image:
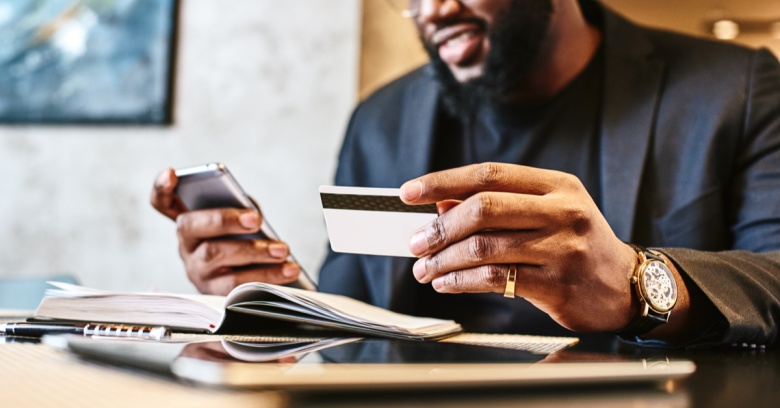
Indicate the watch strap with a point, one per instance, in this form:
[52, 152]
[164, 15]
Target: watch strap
[648, 319]
[645, 254]
[644, 324]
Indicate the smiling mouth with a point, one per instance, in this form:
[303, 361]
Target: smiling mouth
[459, 45]
[460, 39]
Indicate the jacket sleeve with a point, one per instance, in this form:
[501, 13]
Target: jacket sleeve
[744, 284]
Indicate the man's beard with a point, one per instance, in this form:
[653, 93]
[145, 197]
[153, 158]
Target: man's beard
[515, 42]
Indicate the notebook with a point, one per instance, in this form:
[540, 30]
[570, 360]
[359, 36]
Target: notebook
[254, 303]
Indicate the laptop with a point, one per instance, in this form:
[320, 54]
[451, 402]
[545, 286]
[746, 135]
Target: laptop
[370, 364]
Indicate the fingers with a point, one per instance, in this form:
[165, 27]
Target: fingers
[193, 227]
[484, 279]
[223, 283]
[483, 211]
[215, 263]
[528, 247]
[217, 254]
[463, 182]
[446, 205]
[163, 197]
[481, 262]
[218, 265]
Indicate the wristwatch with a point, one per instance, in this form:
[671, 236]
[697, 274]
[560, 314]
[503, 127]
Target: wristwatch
[656, 289]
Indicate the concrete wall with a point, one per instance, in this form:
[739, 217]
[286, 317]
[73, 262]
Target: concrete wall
[264, 86]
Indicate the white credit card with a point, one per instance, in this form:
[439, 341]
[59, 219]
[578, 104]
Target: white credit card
[372, 221]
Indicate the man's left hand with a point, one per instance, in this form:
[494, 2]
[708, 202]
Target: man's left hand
[570, 263]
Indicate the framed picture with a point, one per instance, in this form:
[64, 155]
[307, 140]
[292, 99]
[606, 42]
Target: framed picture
[87, 61]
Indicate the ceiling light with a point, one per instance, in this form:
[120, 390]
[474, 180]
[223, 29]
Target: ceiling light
[725, 29]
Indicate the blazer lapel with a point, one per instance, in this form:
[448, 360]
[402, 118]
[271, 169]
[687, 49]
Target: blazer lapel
[417, 127]
[416, 150]
[632, 84]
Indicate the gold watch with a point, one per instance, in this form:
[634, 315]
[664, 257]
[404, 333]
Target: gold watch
[656, 289]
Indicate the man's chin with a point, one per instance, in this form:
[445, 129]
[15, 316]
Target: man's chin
[464, 74]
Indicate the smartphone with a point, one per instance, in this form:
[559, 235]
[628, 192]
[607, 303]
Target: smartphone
[210, 186]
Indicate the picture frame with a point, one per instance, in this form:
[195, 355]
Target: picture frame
[87, 61]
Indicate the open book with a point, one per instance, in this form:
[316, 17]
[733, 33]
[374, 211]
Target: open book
[204, 313]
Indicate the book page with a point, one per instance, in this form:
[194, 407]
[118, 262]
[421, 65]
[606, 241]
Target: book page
[206, 313]
[188, 312]
[71, 290]
[344, 309]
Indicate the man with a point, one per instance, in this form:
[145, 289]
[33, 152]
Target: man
[550, 133]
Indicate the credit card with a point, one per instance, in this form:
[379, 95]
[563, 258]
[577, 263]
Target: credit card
[372, 221]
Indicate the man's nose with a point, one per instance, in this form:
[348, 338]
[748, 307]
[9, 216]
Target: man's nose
[433, 11]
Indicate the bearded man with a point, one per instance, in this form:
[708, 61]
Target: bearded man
[559, 142]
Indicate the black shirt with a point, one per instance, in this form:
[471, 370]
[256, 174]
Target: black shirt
[561, 133]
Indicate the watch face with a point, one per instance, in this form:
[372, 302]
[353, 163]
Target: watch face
[658, 286]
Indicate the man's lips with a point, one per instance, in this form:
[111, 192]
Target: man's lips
[458, 44]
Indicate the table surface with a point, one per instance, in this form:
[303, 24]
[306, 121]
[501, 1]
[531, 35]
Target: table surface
[35, 375]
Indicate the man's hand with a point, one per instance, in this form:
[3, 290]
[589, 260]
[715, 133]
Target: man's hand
[570, 263]
[215, 263]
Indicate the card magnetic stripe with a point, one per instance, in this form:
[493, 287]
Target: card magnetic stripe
[372, 203]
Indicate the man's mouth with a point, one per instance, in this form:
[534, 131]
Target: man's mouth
[459, 44]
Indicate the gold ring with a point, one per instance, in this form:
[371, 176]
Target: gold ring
[509, 290]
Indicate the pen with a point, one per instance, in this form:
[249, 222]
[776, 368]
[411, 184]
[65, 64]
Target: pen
[91, 329]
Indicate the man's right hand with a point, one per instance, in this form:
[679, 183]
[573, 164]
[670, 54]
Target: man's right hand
[215, 262]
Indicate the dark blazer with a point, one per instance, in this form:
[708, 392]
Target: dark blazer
[690, 158]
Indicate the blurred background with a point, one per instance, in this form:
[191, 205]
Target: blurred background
[97, 96]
